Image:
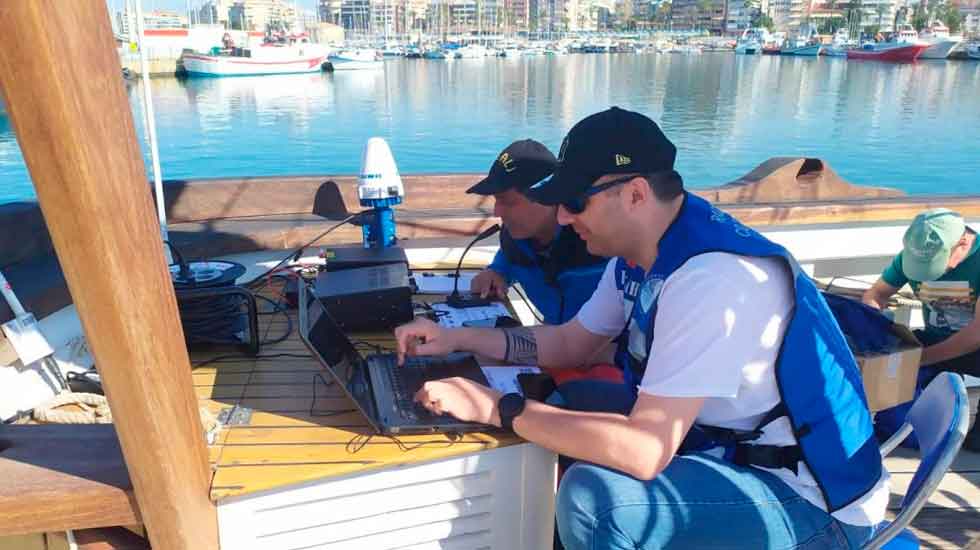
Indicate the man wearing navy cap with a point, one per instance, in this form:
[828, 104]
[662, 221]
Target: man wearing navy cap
[548, 260]
[732, 351]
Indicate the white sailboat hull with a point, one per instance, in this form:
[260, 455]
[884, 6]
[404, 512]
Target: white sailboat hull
[206, 65]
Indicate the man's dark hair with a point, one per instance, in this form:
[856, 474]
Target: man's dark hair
[665, 185]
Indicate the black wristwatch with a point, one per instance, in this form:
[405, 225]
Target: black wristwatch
[510, 406]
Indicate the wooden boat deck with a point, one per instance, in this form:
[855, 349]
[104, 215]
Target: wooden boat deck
[303, 427]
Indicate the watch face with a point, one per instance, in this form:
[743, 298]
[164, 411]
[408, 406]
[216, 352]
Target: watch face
[511, 404]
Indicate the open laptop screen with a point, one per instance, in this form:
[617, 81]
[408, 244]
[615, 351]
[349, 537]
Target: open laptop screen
[335, 350]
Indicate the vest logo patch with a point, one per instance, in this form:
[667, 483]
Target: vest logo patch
[623, 160]
[650, 292]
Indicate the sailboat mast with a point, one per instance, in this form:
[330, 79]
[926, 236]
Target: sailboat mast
[79, 143]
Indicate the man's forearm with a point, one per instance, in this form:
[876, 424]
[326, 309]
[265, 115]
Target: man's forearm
[540, 345]
[606, 439]
[961, 343]
[516, 345]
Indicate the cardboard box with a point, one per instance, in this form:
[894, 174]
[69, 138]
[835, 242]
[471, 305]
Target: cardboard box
[889, 378]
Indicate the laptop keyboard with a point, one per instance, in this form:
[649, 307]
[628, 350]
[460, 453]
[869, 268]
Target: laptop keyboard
[408, 379]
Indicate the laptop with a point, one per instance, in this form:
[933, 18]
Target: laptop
[383, 391]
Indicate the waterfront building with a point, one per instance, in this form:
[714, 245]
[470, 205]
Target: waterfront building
[215, 12]
[355, 17]
[257, 15]
[740, 15]
[706, 15]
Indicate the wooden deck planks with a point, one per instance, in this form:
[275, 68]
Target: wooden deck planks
[303, 427]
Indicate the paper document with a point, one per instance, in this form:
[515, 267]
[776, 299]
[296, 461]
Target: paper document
[504, 379]
[454, 317]
[432, 283]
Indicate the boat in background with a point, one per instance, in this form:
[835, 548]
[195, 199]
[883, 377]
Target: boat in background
[751, 41]
[802, 47]
[888, 51]
[471, 51]
[840, 44]
[264, 60]
[355, 59]
[973, 50]
[941, 44]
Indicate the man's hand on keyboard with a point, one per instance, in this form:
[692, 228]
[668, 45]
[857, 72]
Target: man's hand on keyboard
[462, 398]
[423, 337]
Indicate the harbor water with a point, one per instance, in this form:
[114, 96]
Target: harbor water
[914, 126]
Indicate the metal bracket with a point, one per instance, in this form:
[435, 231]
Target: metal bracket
[235, 416]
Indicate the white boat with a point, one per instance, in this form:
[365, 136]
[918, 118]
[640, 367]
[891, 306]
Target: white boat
[751, 41]
[355, 59]
[941, 44]
[471, 51]
[265, 60]
[840, 44]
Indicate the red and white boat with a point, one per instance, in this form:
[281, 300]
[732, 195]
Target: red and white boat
[888, 51]
[266, 59]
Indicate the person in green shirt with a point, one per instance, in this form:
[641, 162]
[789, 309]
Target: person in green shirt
[939, 261]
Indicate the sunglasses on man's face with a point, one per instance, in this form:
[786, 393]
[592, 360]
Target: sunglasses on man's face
[577, 205]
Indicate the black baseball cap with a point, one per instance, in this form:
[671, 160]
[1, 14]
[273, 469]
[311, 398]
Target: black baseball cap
[519, 166]
[615, 141]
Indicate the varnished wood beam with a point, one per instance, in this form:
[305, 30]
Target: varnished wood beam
[61, 75]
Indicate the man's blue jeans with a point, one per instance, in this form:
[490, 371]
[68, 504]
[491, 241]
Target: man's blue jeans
[698, 501]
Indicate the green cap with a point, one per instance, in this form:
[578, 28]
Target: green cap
[928, 243]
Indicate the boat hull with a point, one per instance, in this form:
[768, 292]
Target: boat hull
[206, 65]
[812, 50]
[340, 64]
[939, 50]
[909, 52]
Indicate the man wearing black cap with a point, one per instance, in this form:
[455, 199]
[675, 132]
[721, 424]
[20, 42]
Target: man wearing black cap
[548, 260]
[732, 351]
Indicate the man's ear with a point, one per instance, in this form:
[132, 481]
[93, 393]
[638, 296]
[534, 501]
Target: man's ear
[638, 191]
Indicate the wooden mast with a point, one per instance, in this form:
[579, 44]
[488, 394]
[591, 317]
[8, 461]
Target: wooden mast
[64, 88]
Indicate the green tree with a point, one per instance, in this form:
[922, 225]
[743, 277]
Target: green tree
[951, 16]
[762, 20]
[829, 26]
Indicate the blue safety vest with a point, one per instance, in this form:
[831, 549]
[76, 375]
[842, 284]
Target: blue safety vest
[557, 283]
[818, 378]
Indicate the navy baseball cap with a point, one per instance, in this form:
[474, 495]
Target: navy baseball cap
[614, 141]
[519, 166]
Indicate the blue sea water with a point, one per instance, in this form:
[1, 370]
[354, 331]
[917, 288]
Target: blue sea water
[915, 127]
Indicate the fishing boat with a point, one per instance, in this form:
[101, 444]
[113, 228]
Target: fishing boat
[751, 41]
[840, 43]
[973, 50]
[290, 465]
[802, 47]
[264, 60]
[888, 51]
[941, 44]
[355, 59]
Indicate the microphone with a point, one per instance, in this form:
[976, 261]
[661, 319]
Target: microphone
[458, 300]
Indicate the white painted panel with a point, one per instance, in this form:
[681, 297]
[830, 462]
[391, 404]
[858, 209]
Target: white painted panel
[397, 527]
[376, 501]
[499, 499]
[471, 541]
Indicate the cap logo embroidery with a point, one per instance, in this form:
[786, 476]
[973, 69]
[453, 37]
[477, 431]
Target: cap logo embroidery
[623, 160]
[507, 163]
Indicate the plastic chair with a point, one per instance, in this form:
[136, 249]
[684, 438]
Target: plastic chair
[939, 419]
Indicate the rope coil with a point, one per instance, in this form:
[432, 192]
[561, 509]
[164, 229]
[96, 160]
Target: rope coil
[95, 410]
